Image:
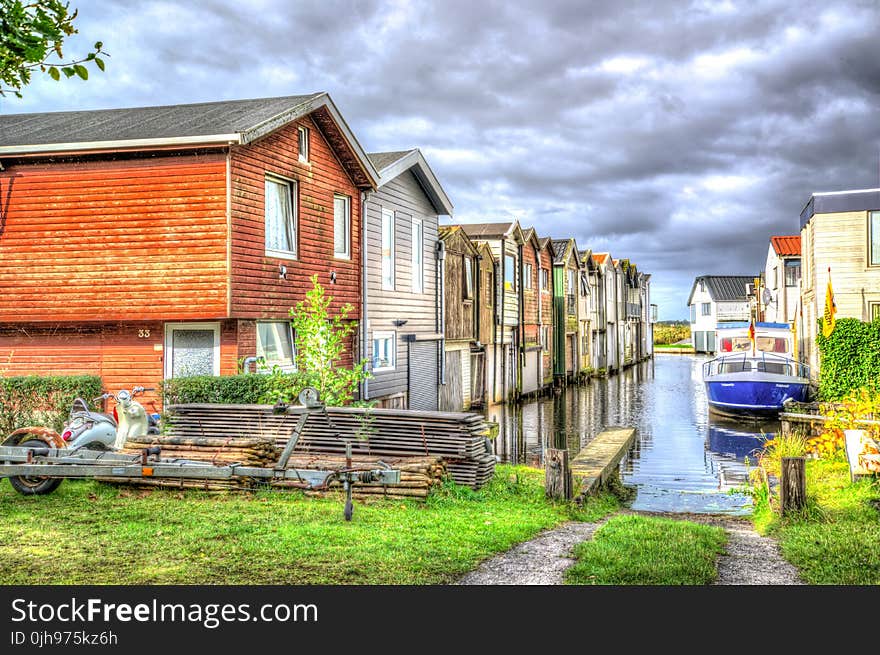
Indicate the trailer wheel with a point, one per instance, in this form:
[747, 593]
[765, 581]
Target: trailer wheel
[34, 485]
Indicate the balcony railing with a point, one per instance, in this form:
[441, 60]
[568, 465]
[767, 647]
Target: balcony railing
[633, 310]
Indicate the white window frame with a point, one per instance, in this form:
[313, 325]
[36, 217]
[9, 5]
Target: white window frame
[706, 309]
[873, 216]
[387, 284]
[694, 313]
[469, 287]
[545, 338]
[418, 256]
[293, 190]
[872, 306]
[342, 254]
[268, 365]
[381, 336]
[790, 265]
[303, 143]
[512, 283]
[168, 354]
[528, 272]
[545, 280]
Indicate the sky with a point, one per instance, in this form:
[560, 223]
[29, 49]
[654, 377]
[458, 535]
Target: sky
[678, 135]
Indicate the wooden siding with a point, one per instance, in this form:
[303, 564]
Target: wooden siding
[405, 197]
[133, 239]
[546, 313]
[508, 314]
[460, 313]
[487, 289]
[530, 295]
[120, 353]
[257, 289]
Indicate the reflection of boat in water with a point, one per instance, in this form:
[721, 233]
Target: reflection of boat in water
[755, 373]
[740, 440]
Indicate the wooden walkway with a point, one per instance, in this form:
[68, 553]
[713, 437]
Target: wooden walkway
[600, 459]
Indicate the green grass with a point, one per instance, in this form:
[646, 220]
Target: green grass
[836, 540]
[88, 532]
[640, 550]
[673, 346]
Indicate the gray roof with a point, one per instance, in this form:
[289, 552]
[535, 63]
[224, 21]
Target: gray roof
[560, 248]
[385, 159]
[486, 230]
[170, 121]
[724, 288]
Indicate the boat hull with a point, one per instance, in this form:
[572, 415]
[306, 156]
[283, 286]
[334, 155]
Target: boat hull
[754, 397]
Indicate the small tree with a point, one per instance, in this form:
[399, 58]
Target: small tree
[321, 342]
[32, 36]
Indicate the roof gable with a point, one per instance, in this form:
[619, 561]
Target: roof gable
[490, 231]
[393, 164]
[456, 240]
[723, 288]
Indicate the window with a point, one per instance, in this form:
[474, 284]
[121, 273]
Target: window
[275, 345]
[693, 313]
[489, 282]
[341, 226]
[545, 279]
[874, 239]
[874, 310]
[418, 255]
[192, 349]
[527, 276]
[584, 285]
[706, 309]
[509, 273]
[545, 338]
[303, 144]
[280, 217]
[570, 276]
[792, 273]
[387, 249]
[468, 264]
[384, 351]
[702, 285]
[775, 277]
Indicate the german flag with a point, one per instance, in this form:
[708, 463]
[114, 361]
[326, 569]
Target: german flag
[828, 320]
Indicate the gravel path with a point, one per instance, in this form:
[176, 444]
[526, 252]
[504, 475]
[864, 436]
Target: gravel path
[541, 561]
[750, 558]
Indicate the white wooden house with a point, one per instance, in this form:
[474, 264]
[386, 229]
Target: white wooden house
[716, 299]
[782, 279]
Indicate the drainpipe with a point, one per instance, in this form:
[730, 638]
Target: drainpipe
[365, 384]
[440, 304]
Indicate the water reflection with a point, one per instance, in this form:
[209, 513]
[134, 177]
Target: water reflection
[683, 461]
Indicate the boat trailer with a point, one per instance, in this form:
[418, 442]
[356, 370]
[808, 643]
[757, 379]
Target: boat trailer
[48, 462]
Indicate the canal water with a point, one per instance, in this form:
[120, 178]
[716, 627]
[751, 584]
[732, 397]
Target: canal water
[683, 461]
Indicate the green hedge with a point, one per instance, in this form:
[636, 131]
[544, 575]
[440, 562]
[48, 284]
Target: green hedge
[850, 358]
[42, 400]
[227, 389]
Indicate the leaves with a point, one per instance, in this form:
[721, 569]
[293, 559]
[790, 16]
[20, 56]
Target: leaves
[850, 358]
[32, 34]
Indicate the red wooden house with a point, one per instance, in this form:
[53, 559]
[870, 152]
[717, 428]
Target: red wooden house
[142, 244]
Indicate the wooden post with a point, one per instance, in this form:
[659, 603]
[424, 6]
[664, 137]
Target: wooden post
[793, 487]
[557, 482]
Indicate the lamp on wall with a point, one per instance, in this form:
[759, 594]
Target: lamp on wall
[282, 272]
[332, 277]
[399, 322]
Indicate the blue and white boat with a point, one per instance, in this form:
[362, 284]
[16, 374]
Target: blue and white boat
[754, 377]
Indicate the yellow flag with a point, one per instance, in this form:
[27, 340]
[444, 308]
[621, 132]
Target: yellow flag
[830, 309]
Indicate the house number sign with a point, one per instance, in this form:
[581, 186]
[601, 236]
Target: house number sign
[143, 334]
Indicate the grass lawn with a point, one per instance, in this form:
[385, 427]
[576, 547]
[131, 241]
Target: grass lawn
[837, 538]
[88, 532]
[673, 346]
[641, 550]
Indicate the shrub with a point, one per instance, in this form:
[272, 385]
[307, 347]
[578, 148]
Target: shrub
[669, 334]
[42, 400]
[850, 358]
[229, 389]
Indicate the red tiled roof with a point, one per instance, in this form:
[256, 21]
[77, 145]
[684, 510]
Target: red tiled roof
[787, 246]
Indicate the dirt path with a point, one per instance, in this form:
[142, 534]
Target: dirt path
[750, 558]
[541, 561]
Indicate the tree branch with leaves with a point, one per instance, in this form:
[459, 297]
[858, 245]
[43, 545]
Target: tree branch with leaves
[32, 38]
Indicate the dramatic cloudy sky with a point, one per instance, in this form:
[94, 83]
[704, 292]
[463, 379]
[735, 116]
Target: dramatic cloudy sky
[680, 136]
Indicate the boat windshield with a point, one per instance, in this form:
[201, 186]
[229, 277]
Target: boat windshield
[763, 344]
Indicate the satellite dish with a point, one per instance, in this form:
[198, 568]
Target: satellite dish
[767, 297]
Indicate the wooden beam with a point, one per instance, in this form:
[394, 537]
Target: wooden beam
[600, 459]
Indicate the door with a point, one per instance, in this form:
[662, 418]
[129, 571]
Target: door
[423, 386]
[192, 349]
[478, 379]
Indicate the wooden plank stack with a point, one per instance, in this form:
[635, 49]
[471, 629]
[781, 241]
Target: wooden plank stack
[249, 451]
[458, 438]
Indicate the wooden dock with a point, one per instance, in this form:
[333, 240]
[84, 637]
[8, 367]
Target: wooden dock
[600, 459]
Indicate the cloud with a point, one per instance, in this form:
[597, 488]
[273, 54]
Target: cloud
[680, 136]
